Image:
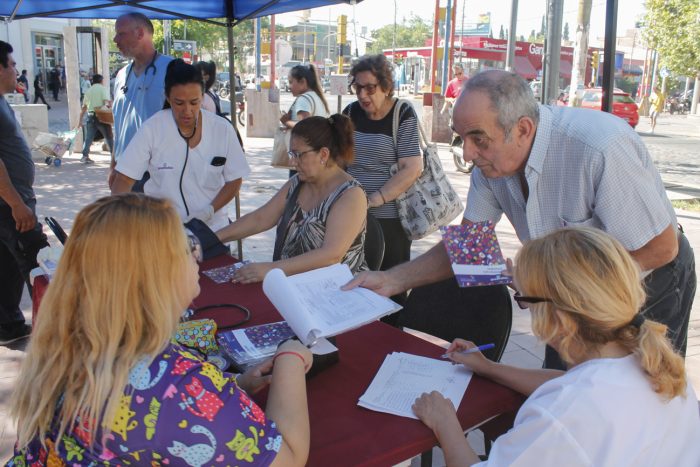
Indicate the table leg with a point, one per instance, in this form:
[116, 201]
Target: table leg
[426, 458]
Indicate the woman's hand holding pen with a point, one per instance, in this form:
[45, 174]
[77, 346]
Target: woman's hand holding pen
[474, 360]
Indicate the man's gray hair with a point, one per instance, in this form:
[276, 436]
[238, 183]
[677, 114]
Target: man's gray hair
[510, 95]
[140, 19]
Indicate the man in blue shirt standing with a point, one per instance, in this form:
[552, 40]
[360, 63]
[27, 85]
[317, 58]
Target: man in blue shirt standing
[20, 234]
[139, 88]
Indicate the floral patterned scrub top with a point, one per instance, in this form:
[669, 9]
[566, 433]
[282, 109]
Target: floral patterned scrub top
[177, 411]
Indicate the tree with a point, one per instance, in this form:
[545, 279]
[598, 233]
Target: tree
[501, 33]
[543, 28]
[578, 72]
[212, 39]
[673, 29]
[565, 34]
[532, 37]
[411, 33]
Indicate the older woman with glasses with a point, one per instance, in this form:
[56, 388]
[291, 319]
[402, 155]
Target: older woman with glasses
[625, 399]
[104, 384]
[320, 213]
[375, 152]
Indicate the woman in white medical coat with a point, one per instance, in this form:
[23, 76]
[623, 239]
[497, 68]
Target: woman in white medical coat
[193, 156]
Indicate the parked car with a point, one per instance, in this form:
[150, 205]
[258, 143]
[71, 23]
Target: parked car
[536, 87]
[623, 104]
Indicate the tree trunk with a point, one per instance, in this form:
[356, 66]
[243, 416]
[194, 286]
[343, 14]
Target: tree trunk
[578, 71]
[696, 96]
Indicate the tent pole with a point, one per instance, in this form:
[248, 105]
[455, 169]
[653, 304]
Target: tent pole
[232, 97]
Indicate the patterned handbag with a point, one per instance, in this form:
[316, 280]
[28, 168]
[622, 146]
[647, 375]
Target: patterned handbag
[431, 202]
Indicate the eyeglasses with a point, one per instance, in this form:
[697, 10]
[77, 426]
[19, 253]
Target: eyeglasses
[524, 302]
[297, 155]
[195, 247]
[370, 88]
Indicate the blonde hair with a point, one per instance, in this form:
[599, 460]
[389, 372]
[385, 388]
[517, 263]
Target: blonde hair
[595, 290]
[115, 298]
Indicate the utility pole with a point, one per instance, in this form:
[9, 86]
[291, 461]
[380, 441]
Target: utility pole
[447, 50]
[555, 14]
[609, 55]
[393, 38]
[166, 37]
[510, 51]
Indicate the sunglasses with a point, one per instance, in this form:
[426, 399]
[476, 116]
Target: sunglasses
[370, 88]
[524, 302]
[194, 247]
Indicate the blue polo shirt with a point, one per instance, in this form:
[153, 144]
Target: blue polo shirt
[136, 99]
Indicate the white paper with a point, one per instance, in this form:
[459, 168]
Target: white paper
[314, 306]
[403, 377]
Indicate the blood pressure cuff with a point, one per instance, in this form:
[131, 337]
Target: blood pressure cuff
[211, 245]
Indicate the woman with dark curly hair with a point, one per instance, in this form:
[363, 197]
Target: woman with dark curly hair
[373, 114]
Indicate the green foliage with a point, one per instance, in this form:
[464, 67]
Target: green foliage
[501, 33]
[565, 34]
[211, 38]
[672, 27]
[411, 33]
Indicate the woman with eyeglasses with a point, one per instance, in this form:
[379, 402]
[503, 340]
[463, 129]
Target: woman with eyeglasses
[103, 381]
[320, 213]
[625, 399]
[194, 158]
[373, 114]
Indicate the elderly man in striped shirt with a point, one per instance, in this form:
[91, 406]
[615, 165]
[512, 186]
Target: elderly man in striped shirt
[548, 167]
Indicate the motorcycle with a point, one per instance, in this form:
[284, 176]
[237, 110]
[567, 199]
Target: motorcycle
[458, 156]
[240, 108]
[224, 89]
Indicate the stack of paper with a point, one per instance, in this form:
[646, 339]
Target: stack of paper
[403, 377]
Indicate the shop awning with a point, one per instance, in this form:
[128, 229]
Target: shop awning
[524, 68]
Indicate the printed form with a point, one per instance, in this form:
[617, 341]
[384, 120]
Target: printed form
[403, 377]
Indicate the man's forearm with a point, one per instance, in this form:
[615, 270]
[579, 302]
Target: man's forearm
[7, 189]
[659, 251]
[432, 266]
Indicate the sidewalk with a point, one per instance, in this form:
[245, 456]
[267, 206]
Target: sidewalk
[63, 191]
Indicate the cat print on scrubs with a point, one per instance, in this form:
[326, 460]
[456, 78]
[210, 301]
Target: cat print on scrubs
[207, 402]
[214, 374]
[121, 424]
[195, 455]
[140, 375]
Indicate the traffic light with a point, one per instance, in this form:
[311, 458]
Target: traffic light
[595, 60]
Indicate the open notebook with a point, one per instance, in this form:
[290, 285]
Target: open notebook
[314, 306]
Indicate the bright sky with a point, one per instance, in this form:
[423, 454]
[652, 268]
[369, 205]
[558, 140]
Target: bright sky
[377, 13]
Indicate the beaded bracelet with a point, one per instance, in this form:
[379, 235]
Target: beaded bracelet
[289, 352]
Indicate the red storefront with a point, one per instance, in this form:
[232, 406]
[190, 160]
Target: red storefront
[479, 53]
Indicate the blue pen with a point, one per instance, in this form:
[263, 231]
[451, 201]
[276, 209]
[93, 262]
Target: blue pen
[478, 348]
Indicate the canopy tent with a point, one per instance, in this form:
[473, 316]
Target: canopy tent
[231, 12]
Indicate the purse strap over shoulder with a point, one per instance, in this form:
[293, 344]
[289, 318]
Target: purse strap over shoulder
[395, 125]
